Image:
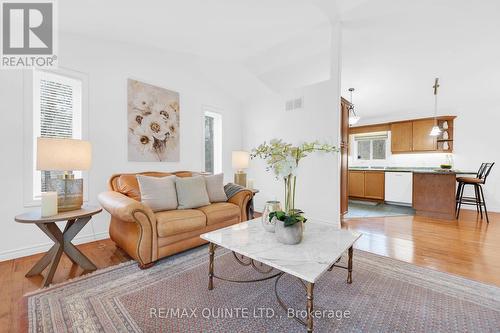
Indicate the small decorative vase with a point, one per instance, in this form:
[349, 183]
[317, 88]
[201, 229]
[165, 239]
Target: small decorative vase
[445, 125]
[270, 206]
[289, 235]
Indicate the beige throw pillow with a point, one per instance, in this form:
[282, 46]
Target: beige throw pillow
[158, 192]
[215, 188]
[191, 192]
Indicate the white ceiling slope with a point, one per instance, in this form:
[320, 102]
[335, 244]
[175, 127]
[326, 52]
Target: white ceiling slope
[301, 60]
[224, 29]
[393, 49]
[259, 40]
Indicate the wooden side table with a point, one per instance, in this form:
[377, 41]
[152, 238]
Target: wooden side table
[77, 219]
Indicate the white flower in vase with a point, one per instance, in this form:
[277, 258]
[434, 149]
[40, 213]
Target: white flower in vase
[287, 167]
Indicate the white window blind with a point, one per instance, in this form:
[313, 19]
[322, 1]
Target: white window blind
[57, 113]
[371, 146]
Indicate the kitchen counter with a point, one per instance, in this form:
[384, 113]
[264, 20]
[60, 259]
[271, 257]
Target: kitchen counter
[434, 194]
[436, 170]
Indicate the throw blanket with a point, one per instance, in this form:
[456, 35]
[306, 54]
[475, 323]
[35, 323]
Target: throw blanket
[231, 190]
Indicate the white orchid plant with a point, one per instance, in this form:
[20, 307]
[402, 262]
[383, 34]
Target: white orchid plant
[283, 159]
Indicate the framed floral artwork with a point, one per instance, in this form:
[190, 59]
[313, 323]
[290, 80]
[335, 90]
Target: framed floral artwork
[153, 123]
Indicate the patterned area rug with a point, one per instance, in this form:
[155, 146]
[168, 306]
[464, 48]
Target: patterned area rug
[386, 296]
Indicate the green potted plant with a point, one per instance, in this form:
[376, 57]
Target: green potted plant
[283, 159]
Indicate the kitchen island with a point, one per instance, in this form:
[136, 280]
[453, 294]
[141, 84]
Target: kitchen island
[434, 194]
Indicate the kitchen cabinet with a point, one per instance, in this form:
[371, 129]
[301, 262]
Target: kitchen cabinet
[402, 137]
[422, 141]
[374, 185]
[412, 136]
[357, 184]
[367, 184]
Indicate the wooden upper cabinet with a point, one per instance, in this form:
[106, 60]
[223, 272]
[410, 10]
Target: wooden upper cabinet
[422, 141]
[402, 137]
[375, 185]
[357, 184]
[413, 135]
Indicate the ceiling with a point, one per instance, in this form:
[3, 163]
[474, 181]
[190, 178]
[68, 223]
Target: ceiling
[222, 29]
[391, 49]
[257, 45]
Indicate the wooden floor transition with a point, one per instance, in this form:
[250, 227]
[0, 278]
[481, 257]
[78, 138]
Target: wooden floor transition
[468, 247]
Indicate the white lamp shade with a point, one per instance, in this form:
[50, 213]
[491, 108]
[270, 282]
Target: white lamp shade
[63, 154]
[240, 159]
[353, 120]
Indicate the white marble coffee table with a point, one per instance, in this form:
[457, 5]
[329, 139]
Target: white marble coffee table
[319, 251]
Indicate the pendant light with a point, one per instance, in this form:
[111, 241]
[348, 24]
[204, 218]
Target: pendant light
[435, 131]
[353, 117]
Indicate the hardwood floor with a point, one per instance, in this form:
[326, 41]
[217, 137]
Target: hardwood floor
[13, 284]
[468, 247]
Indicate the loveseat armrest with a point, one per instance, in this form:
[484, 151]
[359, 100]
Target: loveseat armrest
[123, 207]
[242, 199]
[142, 246]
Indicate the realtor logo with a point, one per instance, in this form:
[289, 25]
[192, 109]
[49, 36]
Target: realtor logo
[28, 34]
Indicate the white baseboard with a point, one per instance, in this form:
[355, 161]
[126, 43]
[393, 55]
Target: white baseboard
[27, 251]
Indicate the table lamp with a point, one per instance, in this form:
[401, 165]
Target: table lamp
[240, 162]
[66, 155]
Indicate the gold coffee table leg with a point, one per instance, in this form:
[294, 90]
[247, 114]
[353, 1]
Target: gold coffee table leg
[310, 299]
[211, 252]
[349, 266]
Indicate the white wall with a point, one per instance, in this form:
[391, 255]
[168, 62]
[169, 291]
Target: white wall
[108, 65]
[318, 180]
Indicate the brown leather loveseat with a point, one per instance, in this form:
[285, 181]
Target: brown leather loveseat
[147, 236]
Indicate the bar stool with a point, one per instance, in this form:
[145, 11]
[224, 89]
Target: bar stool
[478, 200]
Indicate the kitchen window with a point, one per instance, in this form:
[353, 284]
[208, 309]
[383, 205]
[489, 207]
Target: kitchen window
[369, 147]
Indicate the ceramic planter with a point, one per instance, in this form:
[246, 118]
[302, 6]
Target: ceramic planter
[288, 235]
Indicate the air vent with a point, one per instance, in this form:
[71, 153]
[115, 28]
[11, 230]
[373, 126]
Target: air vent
[294, 104]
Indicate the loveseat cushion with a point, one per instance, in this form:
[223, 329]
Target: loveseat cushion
[221, 212]
[127, 183]
[175, 222]
[215, 188]
[191, 192]
[158, 192]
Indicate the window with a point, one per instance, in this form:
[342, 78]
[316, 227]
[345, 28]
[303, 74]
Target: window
[57, 113]
[212, 141]
[371, 146]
